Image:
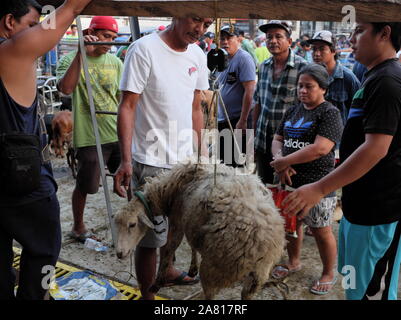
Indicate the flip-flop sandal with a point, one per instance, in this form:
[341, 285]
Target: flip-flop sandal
[282, 271]
[179, 281]
[323, 292]
[82, 236]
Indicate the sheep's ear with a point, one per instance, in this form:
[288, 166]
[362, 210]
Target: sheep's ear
[146, 221]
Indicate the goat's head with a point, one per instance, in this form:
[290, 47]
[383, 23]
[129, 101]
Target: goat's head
[132, 224]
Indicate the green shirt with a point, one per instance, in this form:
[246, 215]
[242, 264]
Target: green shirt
[105, 74]
[248, 47]
[262, 54]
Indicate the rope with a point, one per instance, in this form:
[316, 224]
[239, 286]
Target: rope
[217, 97]
[130, 273]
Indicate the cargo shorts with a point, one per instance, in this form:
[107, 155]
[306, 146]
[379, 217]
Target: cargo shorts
[154, 238]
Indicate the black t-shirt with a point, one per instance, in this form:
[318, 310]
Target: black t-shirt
[299, 128]
[376, 197]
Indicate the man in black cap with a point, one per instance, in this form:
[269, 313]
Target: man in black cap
[275, 91]
[237, 84]
[209, 38]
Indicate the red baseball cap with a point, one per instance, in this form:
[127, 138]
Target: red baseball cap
[104, 22]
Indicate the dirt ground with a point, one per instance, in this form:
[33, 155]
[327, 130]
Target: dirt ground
[107, 264]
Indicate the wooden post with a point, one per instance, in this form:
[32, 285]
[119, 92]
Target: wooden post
[306, 10]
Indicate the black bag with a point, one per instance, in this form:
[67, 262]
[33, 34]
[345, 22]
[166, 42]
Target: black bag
[20, 163]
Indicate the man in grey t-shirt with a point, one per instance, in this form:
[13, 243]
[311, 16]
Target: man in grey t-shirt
[237, 85]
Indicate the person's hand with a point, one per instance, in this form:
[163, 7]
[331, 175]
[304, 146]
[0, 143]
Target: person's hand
[279, 163]
[122, 179]
[300, 201]
[241, 124]
[285, 176]
[89, 38]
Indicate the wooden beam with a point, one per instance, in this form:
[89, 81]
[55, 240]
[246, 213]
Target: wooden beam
[306, 10]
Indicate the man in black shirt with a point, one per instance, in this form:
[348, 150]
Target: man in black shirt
[370, 171]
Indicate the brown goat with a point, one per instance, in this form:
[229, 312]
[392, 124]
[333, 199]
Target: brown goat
[62, 126]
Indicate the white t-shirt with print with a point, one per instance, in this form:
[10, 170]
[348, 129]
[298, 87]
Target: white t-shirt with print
[166, 80]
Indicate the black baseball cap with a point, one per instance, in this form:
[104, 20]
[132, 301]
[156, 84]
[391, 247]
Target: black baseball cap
[286, 25]
[230, 30]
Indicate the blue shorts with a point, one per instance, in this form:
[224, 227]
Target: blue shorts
[369, 258]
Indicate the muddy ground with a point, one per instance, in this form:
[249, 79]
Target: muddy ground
[107, 264]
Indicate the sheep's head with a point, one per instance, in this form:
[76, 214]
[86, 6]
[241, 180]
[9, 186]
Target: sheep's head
[132, 223]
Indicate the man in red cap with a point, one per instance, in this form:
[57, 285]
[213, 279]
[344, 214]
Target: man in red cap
[105, 71]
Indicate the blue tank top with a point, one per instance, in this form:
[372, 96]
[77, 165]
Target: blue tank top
[16, 118]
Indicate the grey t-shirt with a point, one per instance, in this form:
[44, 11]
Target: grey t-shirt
[299, 128]
[241, 68]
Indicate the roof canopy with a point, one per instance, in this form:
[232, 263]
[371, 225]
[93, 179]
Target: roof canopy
[306, 10]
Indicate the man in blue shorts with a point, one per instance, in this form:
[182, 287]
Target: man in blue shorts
[370, 171]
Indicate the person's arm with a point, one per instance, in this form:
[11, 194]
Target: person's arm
[35, 42]
[198, 122]
[277, 146]
[319, 148]
[70, 79]
[125, 127]
[249, 87]
[356, 166]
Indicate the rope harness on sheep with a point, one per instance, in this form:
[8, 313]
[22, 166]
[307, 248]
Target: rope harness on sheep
[148, 211]
[145, 203]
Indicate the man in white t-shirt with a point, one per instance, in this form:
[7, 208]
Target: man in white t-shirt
[163, 76]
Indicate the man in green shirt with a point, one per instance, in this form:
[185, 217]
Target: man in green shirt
[261, 52]
[105, 72]
[247, 46]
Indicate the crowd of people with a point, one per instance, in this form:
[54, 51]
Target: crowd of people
[302, 104]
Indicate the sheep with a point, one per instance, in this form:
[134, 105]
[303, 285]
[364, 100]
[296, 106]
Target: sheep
[234, 225]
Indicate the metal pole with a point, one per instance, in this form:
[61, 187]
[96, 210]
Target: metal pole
[135, 30]
[96, 130]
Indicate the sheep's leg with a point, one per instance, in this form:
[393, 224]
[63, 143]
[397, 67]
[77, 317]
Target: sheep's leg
[252, 284]
[208, 281]
[174, 239]
[193, 269]
[256, 280]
